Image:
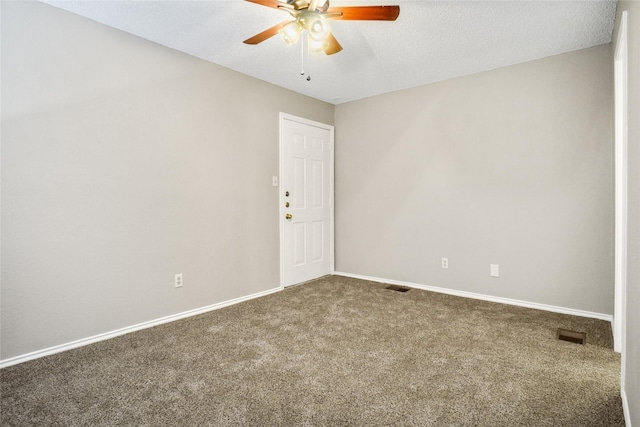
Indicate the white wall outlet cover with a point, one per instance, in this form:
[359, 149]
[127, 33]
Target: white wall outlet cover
[445, 262]
[177, 280]
[495, 270]
[274, 181]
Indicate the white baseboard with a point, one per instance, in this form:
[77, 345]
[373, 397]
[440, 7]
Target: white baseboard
[490, 298]
[625, 408]
[107, 335]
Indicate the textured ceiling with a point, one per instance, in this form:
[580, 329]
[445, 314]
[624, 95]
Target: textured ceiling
[431, 40]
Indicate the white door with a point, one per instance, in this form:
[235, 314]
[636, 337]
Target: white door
[306, 199]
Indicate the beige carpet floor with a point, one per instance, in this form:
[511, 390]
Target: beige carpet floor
[333, 352]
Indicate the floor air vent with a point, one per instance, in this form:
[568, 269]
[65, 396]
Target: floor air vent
[398, 288]
[572, 336]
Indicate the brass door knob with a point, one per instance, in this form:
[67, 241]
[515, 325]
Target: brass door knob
[288, 216]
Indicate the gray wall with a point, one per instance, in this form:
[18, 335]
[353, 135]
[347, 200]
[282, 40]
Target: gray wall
[512, 167]
[632, 356]
[123, 163]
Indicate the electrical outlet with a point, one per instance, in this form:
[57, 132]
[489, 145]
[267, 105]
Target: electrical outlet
[177, 280]
[495, 270]
[445, 262]
[274, 181]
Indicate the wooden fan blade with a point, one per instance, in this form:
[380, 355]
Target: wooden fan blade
[334, 46]
[366, 13]
[268, 3]
[269, 32]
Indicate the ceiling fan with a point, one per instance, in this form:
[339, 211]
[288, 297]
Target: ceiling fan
[311, 16]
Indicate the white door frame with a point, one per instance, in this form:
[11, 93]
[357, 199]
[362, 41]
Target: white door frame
[281, 198]
[621, 179]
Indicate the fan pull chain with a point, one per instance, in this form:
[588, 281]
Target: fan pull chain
[306, 61]
[303, 40]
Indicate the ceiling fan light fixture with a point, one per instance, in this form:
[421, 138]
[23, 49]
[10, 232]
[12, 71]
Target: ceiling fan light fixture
[318, 27]
[291, 32]
[317, 46]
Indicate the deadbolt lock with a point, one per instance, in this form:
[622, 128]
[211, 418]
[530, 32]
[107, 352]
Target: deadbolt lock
[286, 193]
[288, 216]
[286, 205]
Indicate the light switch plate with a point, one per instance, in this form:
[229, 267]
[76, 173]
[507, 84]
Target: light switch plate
[495, 270]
